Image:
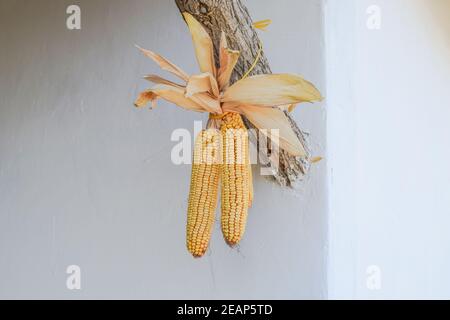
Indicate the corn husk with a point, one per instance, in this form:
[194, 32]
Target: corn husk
[260, 98]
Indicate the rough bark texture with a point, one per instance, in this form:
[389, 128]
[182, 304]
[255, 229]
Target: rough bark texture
[232, 17]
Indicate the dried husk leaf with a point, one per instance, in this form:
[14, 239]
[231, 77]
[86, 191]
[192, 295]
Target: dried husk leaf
[204, 48]
[228, 59]
[204, 82]
[165, 64]
[274, 118]
[271, 90]
[209, 103]
[292, 107]
[262, 25]
[159, 80]
[176, 96]
[144, 98]
[316, 159]
[223, 43]
[227, 67]
[288, 107]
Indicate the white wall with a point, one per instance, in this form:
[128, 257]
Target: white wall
[388, 102]
[86, 179]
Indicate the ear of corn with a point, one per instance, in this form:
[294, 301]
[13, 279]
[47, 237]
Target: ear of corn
[262, 99]
[235, 178]
[203, 192]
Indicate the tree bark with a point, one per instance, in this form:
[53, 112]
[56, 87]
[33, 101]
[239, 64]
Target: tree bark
[232, 17]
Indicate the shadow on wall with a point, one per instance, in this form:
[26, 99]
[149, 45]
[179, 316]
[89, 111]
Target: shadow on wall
[440, 10]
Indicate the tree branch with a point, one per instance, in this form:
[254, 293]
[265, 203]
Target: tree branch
[232, 17]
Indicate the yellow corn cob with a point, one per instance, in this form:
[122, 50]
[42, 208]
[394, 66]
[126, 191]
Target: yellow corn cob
[235, 177]
[203, 192]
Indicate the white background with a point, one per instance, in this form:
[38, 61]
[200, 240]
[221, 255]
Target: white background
[388, 131]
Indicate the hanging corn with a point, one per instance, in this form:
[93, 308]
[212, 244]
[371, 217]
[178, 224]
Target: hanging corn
[222, 151]
[235, 193]
[203, 192]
